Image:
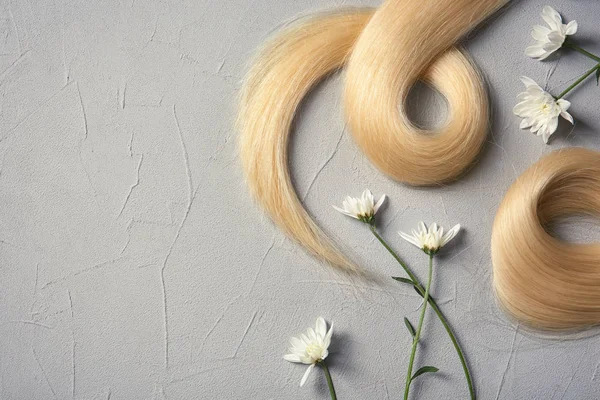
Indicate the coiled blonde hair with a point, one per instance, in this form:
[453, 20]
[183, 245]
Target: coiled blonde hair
[539, 279]
[386, 52]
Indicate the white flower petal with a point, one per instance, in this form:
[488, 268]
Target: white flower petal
[545, 132]
[409, 238]
[295, 342]
[522, 107]
[379, 203]
[563, 104]
[327, 340]
[450, 234]
[433, 228]
[568, 117]
[551, 17]
[550, 12]
[306, 360]
[305, 338]
[540, 32]
[524, 124]
[440, 234]
[551, 126]
[523, 96]
[306, 374]
[292, 358]
[529, 82]
[367, 198]
[571, 28]
[345, 212]
[555, 40]
[321, 327]
[546, 135]
[535, 51]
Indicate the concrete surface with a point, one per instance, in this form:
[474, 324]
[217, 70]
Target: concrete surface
[133, 264]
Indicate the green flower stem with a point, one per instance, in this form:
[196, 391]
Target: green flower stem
[461, 356]
[582, 51]
[328, 377]
[577, 82]
[435, 307]
[393, 253]
[419, 327]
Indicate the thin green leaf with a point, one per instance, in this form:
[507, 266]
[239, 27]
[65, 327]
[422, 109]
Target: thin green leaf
[418, 292]
[424, 370]
[597, 76]
[423, 295]
[405, 280]
[409, 326]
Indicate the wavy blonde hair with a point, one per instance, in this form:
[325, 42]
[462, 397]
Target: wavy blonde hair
[539, 279]
[386, 52]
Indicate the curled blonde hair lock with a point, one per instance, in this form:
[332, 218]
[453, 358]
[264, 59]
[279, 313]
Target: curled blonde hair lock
[385, 51]
[539, 279]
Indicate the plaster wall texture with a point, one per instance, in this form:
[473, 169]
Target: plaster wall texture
[134, 265]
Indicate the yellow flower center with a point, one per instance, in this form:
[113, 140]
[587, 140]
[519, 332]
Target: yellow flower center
[545, 108]
[314, 351]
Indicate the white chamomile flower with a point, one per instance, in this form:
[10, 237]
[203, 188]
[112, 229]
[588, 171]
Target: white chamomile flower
[548, 40]
[540, 110]
[310, 348]
[362, 208]
[430, 240]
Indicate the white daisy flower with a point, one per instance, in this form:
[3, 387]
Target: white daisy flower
[540, 110]
[430, 240]
[310, 348]
[363, 208]
[548, 40]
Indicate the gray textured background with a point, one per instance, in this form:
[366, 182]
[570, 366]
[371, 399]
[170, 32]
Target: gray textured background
[133, 264]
